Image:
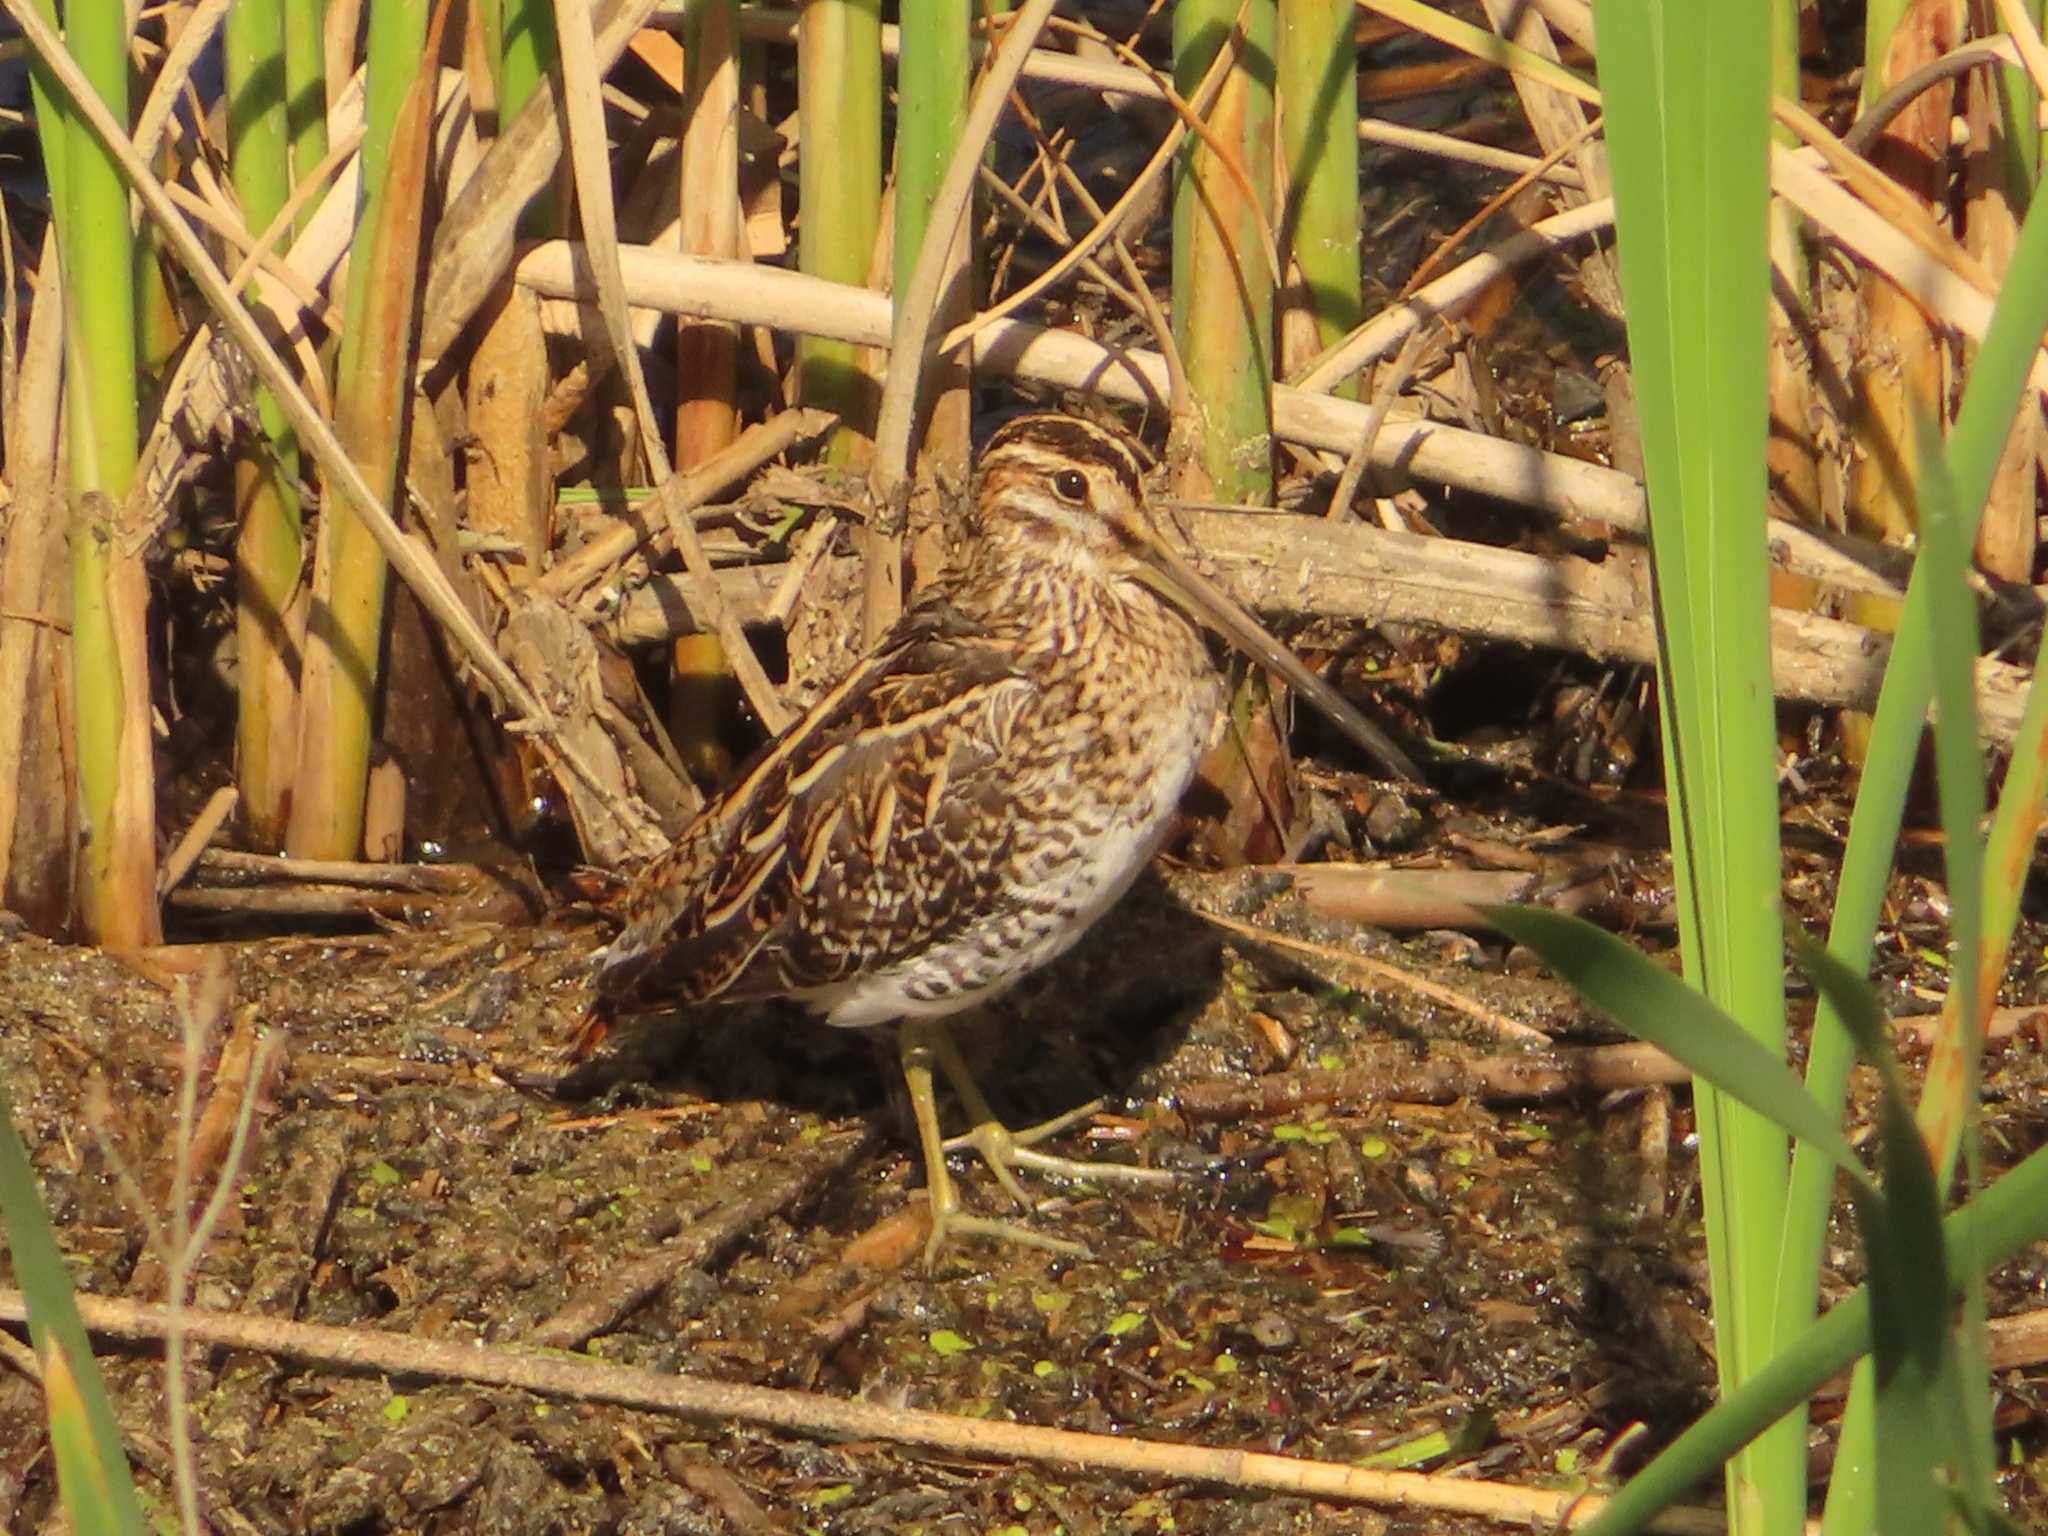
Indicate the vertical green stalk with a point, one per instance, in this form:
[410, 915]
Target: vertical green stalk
[931, 110]
[2021, 104]
[305, 92]
[1693, 245]
[110, 595]
[374, 391]
[268, 552]
[526, 53]
[932, 72]
[839, 190]
[1222, 285]
[1318, 123]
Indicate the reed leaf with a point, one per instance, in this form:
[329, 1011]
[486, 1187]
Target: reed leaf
[1680, 80]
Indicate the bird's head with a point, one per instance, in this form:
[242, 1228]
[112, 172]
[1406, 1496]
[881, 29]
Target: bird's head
[1068, 493]
[1062, 489]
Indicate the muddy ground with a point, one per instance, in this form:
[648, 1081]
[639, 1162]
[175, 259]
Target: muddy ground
[1334, 1282]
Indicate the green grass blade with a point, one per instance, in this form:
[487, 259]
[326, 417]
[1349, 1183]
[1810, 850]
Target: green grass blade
[1923, 1394]
[1952, 1097]
[1993, 1228]
[1977, 437]
[92, 1468]
[1654, 1005]
[1686, 89]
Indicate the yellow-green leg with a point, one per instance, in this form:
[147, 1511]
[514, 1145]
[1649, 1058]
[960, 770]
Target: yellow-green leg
[920, 1043]
[1004, 1149]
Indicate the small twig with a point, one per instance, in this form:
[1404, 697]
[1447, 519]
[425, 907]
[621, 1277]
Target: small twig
[601, 1307]
[1524, 1078]
[709, 1481]
[231, 866]
[1493, 205]
[1149, 307]
[1499, 1023]
[1043, 223]
[1385, 391]
[1192, 111]
[683, 494]
[804, 555]
[1957, 61]
[220, 805]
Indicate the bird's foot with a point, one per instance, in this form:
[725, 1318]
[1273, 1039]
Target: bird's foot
[924, 1044]
[949, 1222]
[1005, 1150]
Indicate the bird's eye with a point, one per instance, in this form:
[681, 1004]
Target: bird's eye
[1072, 486]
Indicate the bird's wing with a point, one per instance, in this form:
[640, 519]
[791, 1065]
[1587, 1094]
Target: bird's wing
[866, 832]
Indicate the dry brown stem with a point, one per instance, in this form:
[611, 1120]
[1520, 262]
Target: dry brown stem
[409, 1357]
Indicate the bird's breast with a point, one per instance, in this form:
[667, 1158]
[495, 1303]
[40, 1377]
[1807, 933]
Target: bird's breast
[1096, 764]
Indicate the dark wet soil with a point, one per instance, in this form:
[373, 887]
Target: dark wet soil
[1526, 1282]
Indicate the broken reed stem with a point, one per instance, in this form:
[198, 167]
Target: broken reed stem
[703, 689]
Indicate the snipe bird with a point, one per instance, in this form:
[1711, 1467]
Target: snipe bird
[978, 790]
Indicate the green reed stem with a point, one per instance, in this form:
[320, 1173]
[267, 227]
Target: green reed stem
[1222, 283]
[931, 109]
[1693, 248]
[268, 547]
[839, 189]
[374, 390]
[305, 92]
[1318, 120]
[110, 682]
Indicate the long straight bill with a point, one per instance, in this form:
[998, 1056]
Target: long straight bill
[1179, 582]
